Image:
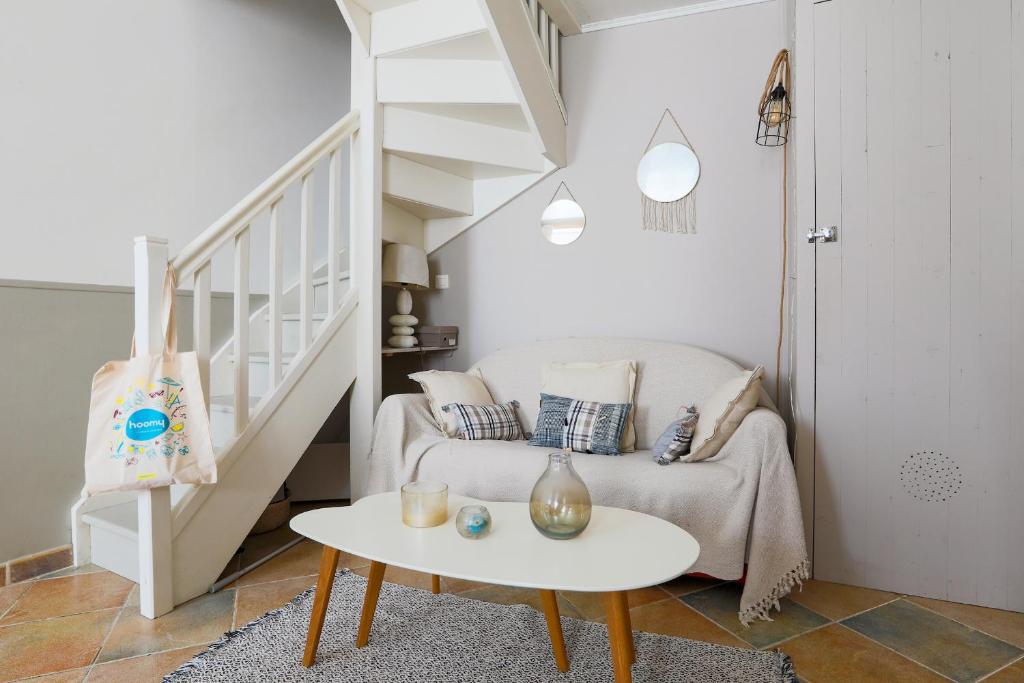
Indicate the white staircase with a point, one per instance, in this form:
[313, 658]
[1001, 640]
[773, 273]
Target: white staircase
[461, 112]
[471, 110]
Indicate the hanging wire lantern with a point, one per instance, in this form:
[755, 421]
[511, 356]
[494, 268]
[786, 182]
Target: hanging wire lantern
[773, 112]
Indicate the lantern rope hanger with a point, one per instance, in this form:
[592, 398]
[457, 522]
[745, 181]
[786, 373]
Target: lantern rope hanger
[773, 115]
[678, 214]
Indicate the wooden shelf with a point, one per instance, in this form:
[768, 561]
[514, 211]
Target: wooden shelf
[387, 351]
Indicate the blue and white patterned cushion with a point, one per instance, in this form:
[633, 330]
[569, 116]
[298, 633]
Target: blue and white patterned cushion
[499, 422]
[582, 426]
[675, 441]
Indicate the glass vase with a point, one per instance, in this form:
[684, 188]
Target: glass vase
[560, 503]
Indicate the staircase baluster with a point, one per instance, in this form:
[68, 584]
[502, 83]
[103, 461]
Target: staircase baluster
[542, 31]
[555, 63]
[333, 227]
[276, 284]
[241, 314]
[306, 264]
[201, 326]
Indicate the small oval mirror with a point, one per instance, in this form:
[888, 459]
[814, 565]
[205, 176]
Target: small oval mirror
[562, 222]
[668, 172]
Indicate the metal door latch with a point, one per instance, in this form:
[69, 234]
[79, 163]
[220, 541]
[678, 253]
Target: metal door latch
[829, 234]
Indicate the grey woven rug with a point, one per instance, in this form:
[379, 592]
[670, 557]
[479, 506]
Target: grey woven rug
[419, 637]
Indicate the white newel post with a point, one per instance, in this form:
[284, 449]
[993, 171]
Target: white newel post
[155, 588]
[365, 263]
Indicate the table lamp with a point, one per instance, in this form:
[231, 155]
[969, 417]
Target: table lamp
[405, 266]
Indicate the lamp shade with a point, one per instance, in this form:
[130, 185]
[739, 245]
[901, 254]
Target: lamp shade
[406, 265]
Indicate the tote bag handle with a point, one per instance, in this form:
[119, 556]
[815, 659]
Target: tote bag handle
[169, 319]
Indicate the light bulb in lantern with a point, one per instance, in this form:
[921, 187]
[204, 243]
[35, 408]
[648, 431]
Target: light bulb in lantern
[774, 115]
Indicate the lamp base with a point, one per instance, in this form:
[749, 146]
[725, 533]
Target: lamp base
[403, 337]
[403, 302]
[402, 341]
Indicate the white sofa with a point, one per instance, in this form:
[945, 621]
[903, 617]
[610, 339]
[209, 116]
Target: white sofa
[741, 505]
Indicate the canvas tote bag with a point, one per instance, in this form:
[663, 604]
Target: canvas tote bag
[148, 424]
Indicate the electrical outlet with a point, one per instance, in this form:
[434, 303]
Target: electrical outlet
[441, 282]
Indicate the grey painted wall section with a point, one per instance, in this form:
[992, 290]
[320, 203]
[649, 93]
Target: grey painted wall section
[717, 289]
[54, 339]
[124, 118]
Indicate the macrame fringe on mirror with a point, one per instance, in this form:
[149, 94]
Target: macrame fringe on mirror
[679, 216]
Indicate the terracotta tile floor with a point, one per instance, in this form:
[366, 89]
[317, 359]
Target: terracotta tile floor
[84, 625]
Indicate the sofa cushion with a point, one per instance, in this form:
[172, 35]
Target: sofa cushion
[722, 413]
[442, 387]
[581, 426]
[675, 441]
[606, 382]
[669, 376]
[491, 422]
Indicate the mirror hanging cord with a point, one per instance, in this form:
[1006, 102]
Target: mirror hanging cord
[679, 216]
[558, 189]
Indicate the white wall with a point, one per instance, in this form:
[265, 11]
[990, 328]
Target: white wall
[719, 288]
[55, 338]
[123, 117]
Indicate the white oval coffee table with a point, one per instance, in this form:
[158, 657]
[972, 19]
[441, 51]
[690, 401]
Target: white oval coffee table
[620, 550]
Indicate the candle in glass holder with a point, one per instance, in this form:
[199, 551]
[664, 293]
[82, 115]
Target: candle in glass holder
[424, 503]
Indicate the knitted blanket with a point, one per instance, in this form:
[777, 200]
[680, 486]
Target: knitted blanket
[742, 506]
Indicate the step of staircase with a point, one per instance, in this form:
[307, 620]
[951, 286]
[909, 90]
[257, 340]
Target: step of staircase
[416, 24]
[443, 81]
[425, 191]
[464, 148]
[114, 538]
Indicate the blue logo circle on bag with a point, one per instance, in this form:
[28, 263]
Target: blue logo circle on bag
[146, 424]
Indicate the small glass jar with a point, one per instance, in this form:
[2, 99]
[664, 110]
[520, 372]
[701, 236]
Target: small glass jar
[473, 521]
[424, 503]
[560, 502]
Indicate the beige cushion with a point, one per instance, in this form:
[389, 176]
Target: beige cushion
[607, 382]
[723, 412]
[442, 387]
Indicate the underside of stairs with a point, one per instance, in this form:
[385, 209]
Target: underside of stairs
[471, 110]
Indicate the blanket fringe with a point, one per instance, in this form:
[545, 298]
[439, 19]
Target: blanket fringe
[761, 608]
[786, 666]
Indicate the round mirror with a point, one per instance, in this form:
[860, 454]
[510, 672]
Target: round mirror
[562, 222]
[668, 172]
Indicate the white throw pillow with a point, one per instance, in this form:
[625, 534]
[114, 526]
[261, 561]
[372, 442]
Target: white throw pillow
[442, 387]
[722, 413]
[610, 382]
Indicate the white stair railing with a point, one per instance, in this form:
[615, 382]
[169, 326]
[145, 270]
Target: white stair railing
[155, 535]
[548, 39]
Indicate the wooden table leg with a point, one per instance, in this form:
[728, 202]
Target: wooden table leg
[370, 602]
[435, 584]
[627, 627]
[617, 641]
[550, 603]
[324, 583]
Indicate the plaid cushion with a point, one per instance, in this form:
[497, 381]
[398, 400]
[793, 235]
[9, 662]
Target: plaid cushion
[494, 422]
[582, 426]
[675, 441]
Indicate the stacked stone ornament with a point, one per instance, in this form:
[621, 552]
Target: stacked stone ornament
[403, 331]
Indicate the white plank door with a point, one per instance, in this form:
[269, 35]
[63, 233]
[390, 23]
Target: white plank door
[919, 409]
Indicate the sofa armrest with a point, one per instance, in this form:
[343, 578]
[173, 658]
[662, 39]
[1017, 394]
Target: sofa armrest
[403, 429]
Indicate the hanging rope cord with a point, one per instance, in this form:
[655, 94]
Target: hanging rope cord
[780, 74]
[559, 189]
[667, 112]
